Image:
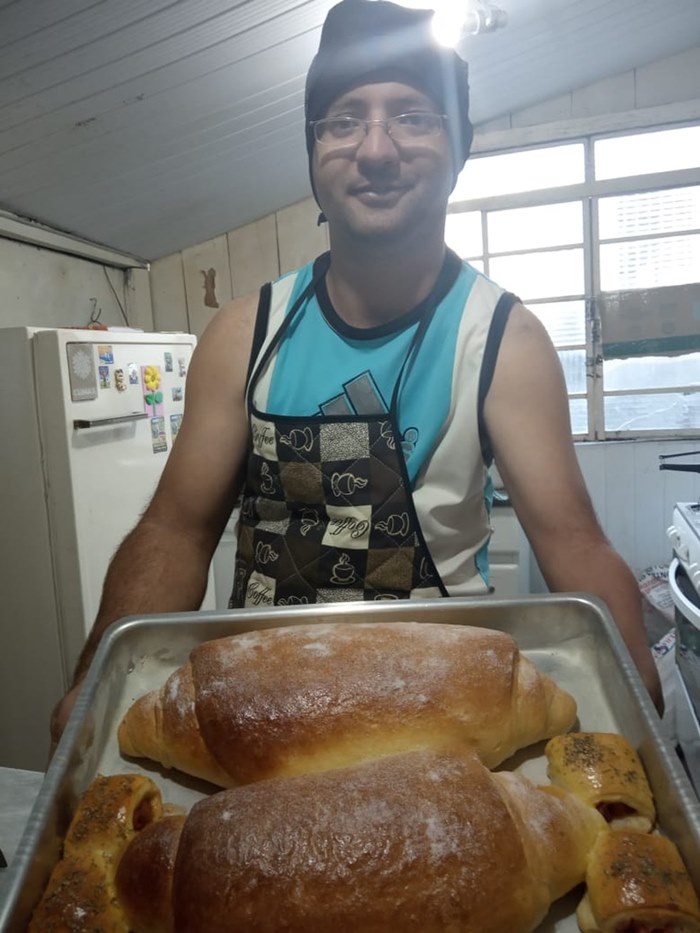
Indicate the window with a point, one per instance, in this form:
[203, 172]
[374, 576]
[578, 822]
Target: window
[646, 239]
[526, 170]
[601, 239]
[644, 153]
[463, 235]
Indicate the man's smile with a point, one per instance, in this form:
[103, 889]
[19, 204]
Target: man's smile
[378, 194]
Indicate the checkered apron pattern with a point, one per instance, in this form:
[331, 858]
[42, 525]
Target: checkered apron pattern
[327, 512]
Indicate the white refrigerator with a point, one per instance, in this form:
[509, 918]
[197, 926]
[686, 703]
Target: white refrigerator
[87, 420]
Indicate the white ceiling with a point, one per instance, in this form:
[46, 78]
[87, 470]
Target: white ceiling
[152, 125]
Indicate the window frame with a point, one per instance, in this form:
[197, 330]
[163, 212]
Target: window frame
[588, 193]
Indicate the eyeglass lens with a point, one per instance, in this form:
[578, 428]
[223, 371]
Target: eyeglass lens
[404, 126]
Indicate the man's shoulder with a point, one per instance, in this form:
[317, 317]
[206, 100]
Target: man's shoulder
[235, 317]
[233, 324]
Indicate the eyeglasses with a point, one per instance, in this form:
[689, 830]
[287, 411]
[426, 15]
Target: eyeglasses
[403, 128]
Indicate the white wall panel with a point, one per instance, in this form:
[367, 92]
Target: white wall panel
[300, 237]
[616, 93]
[139, 308]
[669, 80]
[548, 111]
[167, 279]
[253, 255]
[207, 281]
[48, 289]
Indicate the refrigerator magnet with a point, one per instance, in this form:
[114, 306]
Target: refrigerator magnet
[133, 374]
[81, 372]
[168, 357]
[105, 353]
[158, 439]
[153, 396]
[175, 422]
[182, 366]
[119, 380]
[105, 381]
[177, 393]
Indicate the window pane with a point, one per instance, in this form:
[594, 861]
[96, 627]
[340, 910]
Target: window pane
[540, 275]
[671, 411]
[652, 372]
[534, 227]
[565, 321]
[650, 263]
[463, 233]
[573, 363]
[578, 412]
[661, 151]
[652, 212]
[484, 176]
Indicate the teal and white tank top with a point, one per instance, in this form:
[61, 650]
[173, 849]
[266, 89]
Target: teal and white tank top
[325, 366]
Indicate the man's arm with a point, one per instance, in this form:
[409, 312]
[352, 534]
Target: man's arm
[527, 416]
[162, 565]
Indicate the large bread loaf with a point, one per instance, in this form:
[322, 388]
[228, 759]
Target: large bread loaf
[306, 698]
[420, 842]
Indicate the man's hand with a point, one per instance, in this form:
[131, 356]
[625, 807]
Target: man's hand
[60, 714]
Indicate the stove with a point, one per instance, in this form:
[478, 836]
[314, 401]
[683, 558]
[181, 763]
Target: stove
[684, 535]
[686, 692]
[684, 585]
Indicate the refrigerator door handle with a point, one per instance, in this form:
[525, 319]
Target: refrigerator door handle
[98, 422]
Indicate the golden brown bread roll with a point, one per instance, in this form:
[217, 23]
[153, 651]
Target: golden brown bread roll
[81, 894]
[421, 841]
[150, 890]
[308, 698]
[604, 770]
[637, 883]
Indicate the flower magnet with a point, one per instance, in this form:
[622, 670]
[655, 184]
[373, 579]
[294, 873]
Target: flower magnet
[153, 397]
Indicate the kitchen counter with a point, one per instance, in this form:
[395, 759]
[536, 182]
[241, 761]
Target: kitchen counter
[18, 791]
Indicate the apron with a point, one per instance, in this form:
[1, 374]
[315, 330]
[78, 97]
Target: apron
[327, 512]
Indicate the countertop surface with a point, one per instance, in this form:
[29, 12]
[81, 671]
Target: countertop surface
[18, 791]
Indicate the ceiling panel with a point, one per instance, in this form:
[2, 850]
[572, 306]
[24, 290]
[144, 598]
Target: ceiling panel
[152, 125]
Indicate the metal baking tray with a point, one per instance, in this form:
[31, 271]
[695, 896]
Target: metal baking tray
[571, 637]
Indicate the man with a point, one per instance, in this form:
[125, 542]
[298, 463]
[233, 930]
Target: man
[363, 397]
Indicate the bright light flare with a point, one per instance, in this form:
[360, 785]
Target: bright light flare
[454, 19]
[448, 21]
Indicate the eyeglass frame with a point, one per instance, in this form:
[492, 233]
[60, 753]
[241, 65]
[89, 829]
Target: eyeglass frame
[314, 124]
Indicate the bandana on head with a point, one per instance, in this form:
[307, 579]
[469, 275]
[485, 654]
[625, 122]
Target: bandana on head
[363, 41]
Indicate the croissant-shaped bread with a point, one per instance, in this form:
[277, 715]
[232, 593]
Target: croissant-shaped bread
[307, 698]
[637, 883]
[423, 841]
[604, 770]
[81, 894]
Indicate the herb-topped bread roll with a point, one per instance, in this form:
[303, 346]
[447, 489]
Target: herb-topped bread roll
[604, 770]
[81, 894]
[637, 883]
[421, 842]
[306, 698]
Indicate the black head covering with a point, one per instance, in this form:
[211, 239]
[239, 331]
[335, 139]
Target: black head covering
[367, 40]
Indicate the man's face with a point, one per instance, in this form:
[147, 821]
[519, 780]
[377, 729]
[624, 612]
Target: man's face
[381, 187]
